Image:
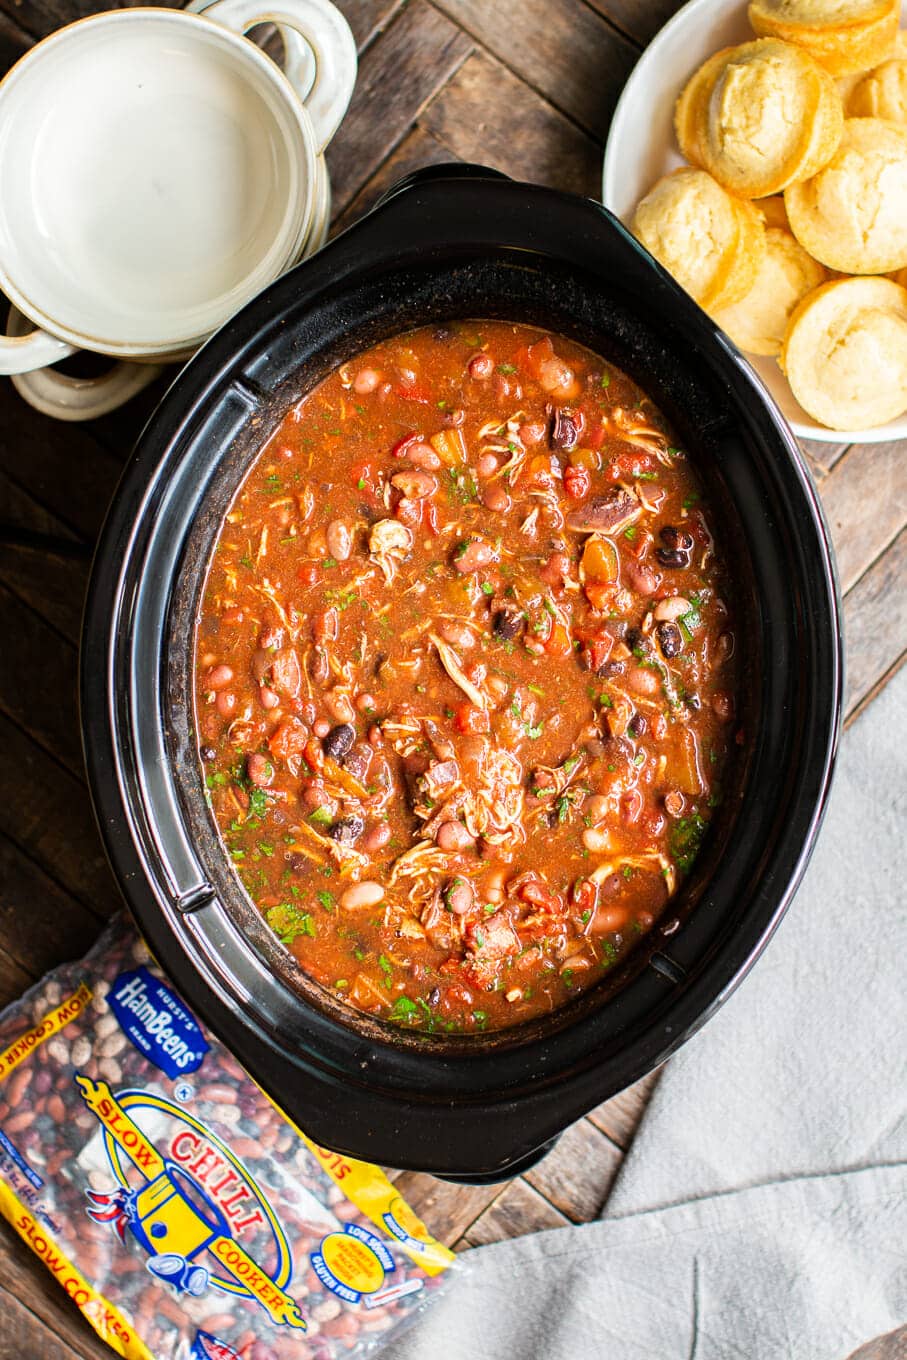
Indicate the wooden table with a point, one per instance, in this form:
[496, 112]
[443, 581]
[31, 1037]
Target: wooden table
[523, 85]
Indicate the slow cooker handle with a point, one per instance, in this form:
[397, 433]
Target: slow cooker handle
[447, 170]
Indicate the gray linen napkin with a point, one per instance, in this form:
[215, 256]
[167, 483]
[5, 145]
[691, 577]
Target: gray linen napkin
[762, 1212]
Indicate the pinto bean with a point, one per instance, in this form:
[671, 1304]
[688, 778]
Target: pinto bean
[481, 366]
[339, 540]
[423, 456]
[597, 807]
[267, 697]
[495, 498]
[459, 896]
[225, 703]
[487, 465]
[472, 555]
[641, 579]
[642, 681]
[596, 840]
[453, 837]
[260, 770]
[219, 677]
[339, 705]
[375, 838]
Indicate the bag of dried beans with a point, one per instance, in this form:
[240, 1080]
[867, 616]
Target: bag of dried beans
[175, 1204]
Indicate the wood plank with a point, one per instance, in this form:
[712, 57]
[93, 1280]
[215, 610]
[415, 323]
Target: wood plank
[639, 19]
[367, 18]
[565, 51]
[13, 41]
[577, 1174]
[38, 681]
[40, 924]
[519, 1210]
[46, 811]
[14, 979]
[419, 149]
[25, 1335]
[822, 455]
[619, 1116]
[865, 501]
[53, 584]
[62, 466]
[448, 1209]
[399, 73]
[486, 114]
[875, 623]
[870, 695]
[24, 1277]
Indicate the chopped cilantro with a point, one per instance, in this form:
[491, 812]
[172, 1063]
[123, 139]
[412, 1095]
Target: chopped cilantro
[507, 368]
[385, 965]
[606, 380]
[487, 588]
[321, 815]
[325, 898]
[288, 922]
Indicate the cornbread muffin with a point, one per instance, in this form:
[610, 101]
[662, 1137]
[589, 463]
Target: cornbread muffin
[852, 215]
[844, 35]
[759, 321]
[882, 94]
[711, 242]
[845, 353]
[759, 116]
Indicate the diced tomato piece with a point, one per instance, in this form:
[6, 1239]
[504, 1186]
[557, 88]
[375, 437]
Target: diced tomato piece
[598, 650]
[538, 354]
[314, 756]
[403, 444]
[631, 806]
[539, 895]
[308, 573]
[414, 391]
[558, 642]
[470, 719]
[451, 966]
[584, 894]
[596, 436]
[289, 739]
[325, 626]
[429, 516]
[364, 476]
[605, 596]
[630, 464]
[577, 482]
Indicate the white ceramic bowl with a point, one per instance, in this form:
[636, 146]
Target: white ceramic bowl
[641, 148]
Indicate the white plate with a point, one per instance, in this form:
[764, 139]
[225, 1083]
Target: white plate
[642, 147]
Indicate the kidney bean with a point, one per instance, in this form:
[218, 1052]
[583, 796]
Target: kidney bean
[339, 705]
[639, 578]
[375, 838]
[487, 465]
[260, 770]
[339, 538]
[415, 485]
[267, 698]
[481, 366]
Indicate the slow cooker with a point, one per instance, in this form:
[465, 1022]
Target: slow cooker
[454, 241]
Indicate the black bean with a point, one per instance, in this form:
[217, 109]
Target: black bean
[208, 753]
[564, 430]
[434, 996]
[609, 668]
[347, 830]
[672, 557]
[339, 740]
[296, 861]
[675, 538]
[693, 701]
[669, 639]
[637, 726]
[508, 622]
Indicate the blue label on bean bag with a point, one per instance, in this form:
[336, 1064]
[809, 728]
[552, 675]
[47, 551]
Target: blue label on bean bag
[207, 1347]
[157, 1022]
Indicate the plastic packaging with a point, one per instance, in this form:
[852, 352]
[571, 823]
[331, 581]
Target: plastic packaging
[174, 1203]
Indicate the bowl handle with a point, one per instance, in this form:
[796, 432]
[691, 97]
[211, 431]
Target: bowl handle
[31, 349]
[325, 33]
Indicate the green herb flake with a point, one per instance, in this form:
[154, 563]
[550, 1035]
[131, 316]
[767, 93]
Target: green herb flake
[325, 898]
[686, 840]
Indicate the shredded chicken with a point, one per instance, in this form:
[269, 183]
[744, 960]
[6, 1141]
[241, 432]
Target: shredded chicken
[451, 663]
